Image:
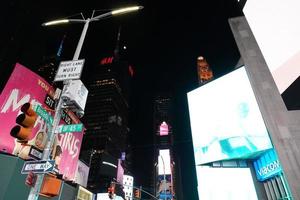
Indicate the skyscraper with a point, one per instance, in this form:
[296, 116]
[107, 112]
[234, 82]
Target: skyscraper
[164, 167]
[205, 73]
[106, 120]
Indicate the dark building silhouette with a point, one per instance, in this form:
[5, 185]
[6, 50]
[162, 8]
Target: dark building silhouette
[163, 141]
[106, 120]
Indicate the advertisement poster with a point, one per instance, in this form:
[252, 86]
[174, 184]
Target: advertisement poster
[82, 174]
[164, 187]
[25, 86]
[226, 121]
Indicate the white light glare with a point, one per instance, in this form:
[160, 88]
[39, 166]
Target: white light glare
[125, 10]
[60, 21]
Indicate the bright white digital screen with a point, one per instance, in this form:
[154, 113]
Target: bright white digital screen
[164, 162]
[225, 184]
[275, 25]
[225, 120]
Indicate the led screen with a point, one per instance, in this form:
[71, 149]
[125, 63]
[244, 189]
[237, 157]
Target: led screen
[163, 129]
[225, 120]
[164, 163]
[225, 184]
[275, 25]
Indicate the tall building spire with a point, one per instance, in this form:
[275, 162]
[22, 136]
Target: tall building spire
[205, 73]
[117, 48]
[59, 51]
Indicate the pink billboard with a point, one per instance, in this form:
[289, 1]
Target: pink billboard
[70, 144]
[25, 86]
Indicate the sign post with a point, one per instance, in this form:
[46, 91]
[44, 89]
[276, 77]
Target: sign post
[65, 69]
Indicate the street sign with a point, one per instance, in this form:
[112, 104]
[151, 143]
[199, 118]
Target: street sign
[38, 167]
[35, 153]
[44, 114]
[69, 128]
[50, 102]
[69, 70]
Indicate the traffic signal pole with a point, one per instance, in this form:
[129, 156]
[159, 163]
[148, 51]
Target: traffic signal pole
[34, 192]
[139, 188]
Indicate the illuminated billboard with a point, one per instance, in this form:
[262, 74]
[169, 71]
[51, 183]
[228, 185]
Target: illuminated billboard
[164, 162]
[267, 165]
[25, 86]
[225, 183]
[163, 129]
[164, 187]
[275, 25]
[226, 122]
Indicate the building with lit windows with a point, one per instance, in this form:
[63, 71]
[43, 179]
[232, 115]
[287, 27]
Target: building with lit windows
[205, 73]
[106, 121]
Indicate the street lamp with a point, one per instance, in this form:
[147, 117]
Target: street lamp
[34, 193]
[88, 20]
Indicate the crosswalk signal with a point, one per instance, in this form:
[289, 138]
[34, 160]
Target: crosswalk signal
[111, 192]
[30, 179]
[137, 194]
[25, 122]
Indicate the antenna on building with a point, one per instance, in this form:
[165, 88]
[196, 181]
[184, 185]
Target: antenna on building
[59, 51]
[117, 48]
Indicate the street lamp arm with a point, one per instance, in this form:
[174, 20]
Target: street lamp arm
[117, 12]
[102, 16]
[63, 21]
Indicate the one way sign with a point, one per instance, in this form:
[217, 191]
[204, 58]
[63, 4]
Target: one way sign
[38, 167]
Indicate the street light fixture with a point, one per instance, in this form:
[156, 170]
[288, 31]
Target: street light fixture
[88, 20]
[34, 193]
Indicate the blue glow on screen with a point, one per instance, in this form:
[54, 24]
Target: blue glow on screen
[226, 121]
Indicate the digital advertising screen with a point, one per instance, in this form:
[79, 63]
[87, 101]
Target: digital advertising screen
[164, 162]
[275, 26]
[225, 183]
[226, 122]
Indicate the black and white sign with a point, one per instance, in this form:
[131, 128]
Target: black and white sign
[38, 167]
[69, 70]
[35, 153]
[50, 102]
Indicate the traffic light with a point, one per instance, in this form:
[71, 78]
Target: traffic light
[25, 122]
[111, 192]
[137, 193]
[31, 179]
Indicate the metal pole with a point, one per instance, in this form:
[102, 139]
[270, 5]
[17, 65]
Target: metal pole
[81, 40]
[34, 192]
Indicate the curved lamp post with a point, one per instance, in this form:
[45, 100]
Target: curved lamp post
[88, 20]
[34, 193]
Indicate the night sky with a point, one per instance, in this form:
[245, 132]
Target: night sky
[163, 42]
